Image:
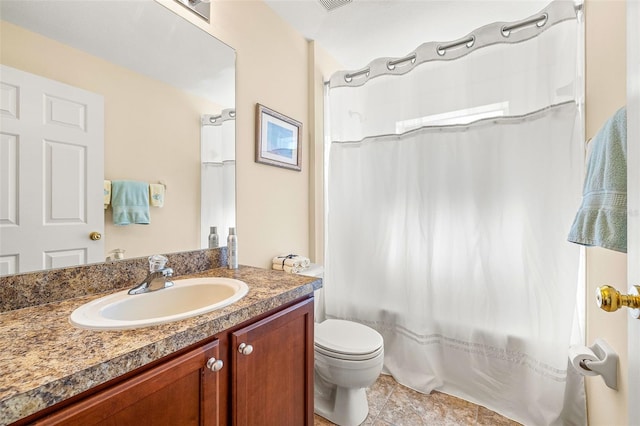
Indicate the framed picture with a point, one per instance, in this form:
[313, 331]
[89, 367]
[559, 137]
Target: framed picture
[278, 139]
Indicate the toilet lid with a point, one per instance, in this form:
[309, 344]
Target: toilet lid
[347, 337]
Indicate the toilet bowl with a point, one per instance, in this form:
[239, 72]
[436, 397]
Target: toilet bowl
[348, 359]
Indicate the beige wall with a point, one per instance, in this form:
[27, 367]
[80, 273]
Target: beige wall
[152, 134]
[271, 69]
[605, 94]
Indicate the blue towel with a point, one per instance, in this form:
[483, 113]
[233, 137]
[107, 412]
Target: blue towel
[602, 217]
[130, 202]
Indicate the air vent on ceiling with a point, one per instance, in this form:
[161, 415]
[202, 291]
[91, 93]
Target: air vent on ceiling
[333, 4]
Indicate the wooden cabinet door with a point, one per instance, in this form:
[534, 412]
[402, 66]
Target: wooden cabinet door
[272, 381]
[181, 391]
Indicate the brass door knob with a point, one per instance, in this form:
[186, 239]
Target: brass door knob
[95, 236]
[609, 299]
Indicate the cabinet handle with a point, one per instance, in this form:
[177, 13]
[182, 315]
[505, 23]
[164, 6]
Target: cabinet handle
[214, 364]
[245, 349]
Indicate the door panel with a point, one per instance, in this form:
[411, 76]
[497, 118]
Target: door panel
[65, 175]
[8, 179]
[65, 112]
[62, 258]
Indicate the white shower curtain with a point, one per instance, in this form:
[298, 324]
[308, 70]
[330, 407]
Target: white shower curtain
[449, 237]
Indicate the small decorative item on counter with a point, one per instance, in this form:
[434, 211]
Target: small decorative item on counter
[291, 263]
[213, 237]
[232, 249]
[116, 254]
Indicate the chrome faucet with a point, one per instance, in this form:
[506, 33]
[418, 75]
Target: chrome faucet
[158, 278]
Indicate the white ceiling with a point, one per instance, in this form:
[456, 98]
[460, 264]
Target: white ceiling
[361, 31]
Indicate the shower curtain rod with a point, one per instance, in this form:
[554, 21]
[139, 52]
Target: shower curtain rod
[499, 32]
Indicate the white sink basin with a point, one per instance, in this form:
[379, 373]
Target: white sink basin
[187, 298]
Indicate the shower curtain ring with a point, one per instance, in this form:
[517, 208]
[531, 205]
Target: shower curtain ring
[469, 42]
[391, 65]
[349, 77]
[540, 21]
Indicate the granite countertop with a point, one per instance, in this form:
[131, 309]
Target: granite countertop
[45, 360]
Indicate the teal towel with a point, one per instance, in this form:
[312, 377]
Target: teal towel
[130, 202]
[602, 217]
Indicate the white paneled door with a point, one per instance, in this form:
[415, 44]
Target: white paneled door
[51, 173]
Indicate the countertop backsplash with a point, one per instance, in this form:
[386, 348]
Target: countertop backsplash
[37, 288]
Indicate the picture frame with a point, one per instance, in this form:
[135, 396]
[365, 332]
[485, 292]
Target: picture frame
[278, 139]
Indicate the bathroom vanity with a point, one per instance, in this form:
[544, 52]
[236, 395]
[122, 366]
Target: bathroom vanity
[248, 363]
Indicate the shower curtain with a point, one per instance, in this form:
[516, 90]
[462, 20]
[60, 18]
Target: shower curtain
[451, 187]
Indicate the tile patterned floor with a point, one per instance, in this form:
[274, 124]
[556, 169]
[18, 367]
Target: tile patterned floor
[391, 404]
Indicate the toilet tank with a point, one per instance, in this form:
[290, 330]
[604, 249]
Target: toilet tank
[314, 270]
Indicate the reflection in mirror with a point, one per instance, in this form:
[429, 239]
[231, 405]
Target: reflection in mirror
[103, 91]
[218, 180]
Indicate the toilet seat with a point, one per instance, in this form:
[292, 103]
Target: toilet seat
[347, 357]
[347, 340]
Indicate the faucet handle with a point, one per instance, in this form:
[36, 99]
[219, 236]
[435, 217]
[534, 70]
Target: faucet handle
[157, 262]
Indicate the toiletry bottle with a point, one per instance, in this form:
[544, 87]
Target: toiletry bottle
[213, 237]
[232, 249]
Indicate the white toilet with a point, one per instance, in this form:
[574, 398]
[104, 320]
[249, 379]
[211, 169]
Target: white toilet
[348, 359]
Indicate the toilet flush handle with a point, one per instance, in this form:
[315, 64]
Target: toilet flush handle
[245, 349]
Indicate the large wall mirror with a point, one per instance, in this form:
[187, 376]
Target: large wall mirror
[155, 93]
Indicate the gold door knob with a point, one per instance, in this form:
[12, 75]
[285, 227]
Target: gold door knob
[95, 236]
[609, 299]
